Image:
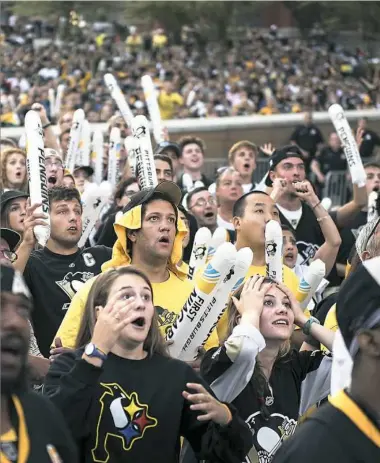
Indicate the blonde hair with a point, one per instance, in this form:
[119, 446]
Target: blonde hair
[239, 145]
[3, 177]
[98, 296]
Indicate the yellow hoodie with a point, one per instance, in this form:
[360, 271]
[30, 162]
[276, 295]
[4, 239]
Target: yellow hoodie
[168, 296]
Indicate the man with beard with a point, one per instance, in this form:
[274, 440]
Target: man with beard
[55, 273]
[32, 429]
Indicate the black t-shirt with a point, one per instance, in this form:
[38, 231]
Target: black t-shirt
[307, 138]
[308, 234]
[282, 397]
[330, 436]
[53, 280]
[349, 234]
[133, 411]
[330, 160]
[370, 140]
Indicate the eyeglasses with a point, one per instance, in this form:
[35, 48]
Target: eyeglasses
[9, 255]
[56, 163]
[129, 193]
[201, 202]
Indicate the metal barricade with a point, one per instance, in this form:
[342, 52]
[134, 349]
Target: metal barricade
[336, 187]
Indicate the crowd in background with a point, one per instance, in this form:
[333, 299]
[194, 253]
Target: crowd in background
[260, 72]
[89, 327]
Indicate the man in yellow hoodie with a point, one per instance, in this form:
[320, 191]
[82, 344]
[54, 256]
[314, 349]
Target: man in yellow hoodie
[149, 236]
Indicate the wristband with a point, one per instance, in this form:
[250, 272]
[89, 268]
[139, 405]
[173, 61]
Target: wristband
[307, 326]
[317, 205]
[46, 125]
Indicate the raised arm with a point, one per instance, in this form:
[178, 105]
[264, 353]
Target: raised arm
[329, 250]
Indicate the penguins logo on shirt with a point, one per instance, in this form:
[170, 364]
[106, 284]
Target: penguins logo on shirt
[165, 317]
[122, 418]
[270, 436]
[306, 252]
[72, 282]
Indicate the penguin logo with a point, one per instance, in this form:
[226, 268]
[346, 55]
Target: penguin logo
[271, 248]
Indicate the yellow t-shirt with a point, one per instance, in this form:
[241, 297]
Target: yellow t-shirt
[159, 40]
[168, 104]
[290, 280]
[169, 298]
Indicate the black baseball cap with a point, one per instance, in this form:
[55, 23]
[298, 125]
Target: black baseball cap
[13, 282]
[169, 189]
[358, 303]
[161, 147]
[288, 151]
[9, 195]
[11, 237]
[88, 169]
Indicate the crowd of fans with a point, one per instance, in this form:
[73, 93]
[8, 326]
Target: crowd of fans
[89, 327]
[257, 73]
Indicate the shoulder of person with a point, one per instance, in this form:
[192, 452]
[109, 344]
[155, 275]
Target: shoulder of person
[99, 251]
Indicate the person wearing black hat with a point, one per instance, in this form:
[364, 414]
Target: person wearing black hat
[82, 175]
[32, 428]
[56, 272]
[347, 428]
[149, 236]
[173, 151]
[13, 205]
[299, 206]
[9, 241]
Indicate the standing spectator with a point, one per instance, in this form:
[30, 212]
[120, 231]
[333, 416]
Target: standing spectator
[346, 427]
[169, 101]
[55, 273]
[370, 139]
[308, 137]
[54, 168]
[202, 204]
[331, 158]
[242, 157]
[13, 210]
[13, 170]
[287, 165]
[173, 151]
[192, 160]
[32, 429]
[229, 188]
[124, 398]
[164, 168]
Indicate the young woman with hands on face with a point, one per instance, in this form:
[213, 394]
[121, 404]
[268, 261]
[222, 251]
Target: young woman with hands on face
[124, 398]
[256, 370]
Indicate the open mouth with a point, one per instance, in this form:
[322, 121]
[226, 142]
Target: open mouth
[11, 349]
[18, 174]
[289, 255]
[209, 215]
[246, 166]
[52, 179]
[73, 229]
[281, 322]
[164, 239]
[139, 322]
